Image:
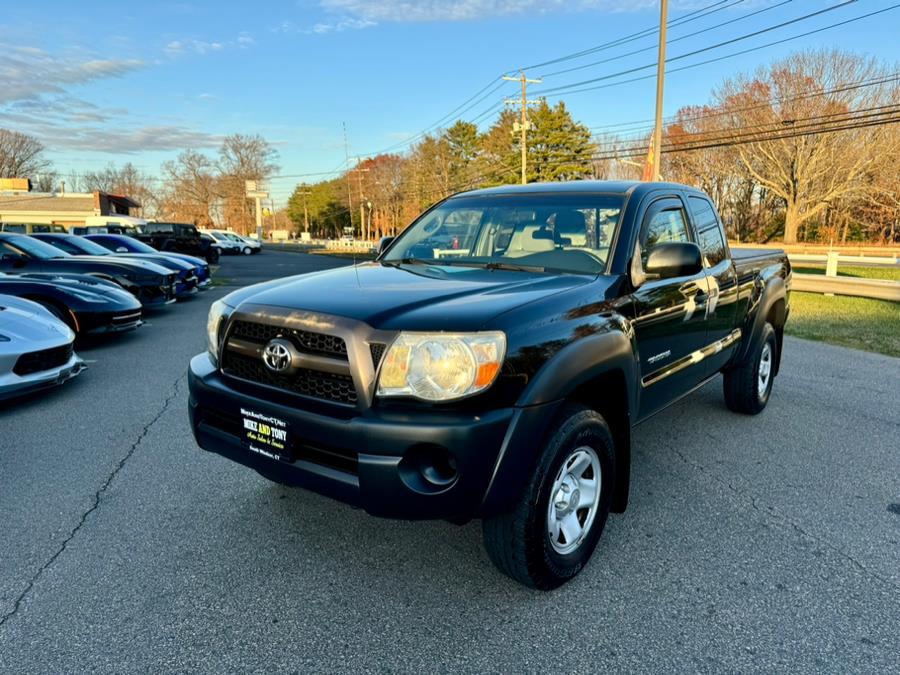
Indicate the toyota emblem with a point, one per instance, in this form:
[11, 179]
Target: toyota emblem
[277, 355]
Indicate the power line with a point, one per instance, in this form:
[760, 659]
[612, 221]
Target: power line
[764, 128]
[678, 39]
[702, 50]
[647, 124]
[686, 18]
[728, 56]
[817, 130]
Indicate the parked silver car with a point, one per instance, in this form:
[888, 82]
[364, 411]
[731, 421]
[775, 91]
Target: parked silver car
[36, 348]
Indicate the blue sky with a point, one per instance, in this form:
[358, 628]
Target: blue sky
[102, 81]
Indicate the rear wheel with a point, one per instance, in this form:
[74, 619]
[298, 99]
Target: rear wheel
[748, 387]
[557, 521]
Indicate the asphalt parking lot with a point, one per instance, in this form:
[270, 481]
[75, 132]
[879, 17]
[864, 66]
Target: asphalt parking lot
[751, 544]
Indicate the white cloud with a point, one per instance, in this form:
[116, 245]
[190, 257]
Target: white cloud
[180, 47]
[323, 27]
[27, 72]
[405, 11]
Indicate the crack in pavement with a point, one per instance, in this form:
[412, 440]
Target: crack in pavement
[96, 505]
[779, 518]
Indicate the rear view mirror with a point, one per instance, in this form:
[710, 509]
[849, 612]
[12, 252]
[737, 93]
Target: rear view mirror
[673, 259]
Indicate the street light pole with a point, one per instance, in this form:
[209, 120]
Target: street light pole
[656, 146]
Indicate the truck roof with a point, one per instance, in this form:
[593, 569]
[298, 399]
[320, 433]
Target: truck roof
[575, 186]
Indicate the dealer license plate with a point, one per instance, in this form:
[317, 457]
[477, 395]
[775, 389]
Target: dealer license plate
[265, 435]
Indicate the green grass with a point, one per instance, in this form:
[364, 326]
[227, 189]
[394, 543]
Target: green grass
[860, 323]
[889, 273]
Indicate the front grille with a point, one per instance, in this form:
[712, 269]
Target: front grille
[45, 359]
[326, 386]
[313, 343]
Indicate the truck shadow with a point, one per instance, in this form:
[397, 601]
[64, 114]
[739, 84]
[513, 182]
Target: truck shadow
[397, 558]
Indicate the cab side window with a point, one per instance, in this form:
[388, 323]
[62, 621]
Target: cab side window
[708, 230]
[666, 225]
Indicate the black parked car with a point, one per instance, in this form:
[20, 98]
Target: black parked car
[123, 245]
[85, 304]
[185, 287]
[175, 238]
[150, 283]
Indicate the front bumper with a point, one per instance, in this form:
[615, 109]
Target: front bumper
[19, 385]
[374, 458]
[109, 322]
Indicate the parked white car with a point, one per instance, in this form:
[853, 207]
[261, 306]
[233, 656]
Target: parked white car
[247, 244]
[226, 244]
[36, 348]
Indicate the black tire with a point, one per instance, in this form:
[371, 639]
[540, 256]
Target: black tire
[519, 542]
[212, 256]
[246, 250]
[744, 392]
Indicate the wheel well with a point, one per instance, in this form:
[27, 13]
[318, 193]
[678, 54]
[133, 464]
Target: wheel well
[65, 315]
[608, 395]
[777, 316]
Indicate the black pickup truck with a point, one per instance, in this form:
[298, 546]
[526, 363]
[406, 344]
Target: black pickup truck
[494, 359]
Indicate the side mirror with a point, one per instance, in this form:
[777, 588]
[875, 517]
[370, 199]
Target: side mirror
[16, 259]
[384, 243]
[673, 259]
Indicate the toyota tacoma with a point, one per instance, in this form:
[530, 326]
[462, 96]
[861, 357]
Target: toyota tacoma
[493, 360]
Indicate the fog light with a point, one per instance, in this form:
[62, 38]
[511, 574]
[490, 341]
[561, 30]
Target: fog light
[428, 469]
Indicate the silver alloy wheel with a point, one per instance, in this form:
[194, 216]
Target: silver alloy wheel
[765, 371]
[573, 500]
[247, 250]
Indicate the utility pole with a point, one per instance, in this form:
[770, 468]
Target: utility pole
[304, 193]
[524, 125]
[656, 146]
[349, 184]
[363, 230]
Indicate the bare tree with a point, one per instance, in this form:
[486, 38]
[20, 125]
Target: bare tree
[191, 189]
[242, 158]
[808, 92]
[21, 155]
[126, 180]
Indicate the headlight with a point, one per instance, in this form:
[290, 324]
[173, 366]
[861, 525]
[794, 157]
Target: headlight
[441, 366]
[218, 313]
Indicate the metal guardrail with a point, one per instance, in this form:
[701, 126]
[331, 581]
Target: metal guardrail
[878, 289]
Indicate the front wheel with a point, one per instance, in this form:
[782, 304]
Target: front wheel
[555, 524]
[246, 250]
[212, 256]
[748, 386]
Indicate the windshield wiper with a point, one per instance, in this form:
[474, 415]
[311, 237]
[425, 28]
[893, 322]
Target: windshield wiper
[407, 261]
[513, 267]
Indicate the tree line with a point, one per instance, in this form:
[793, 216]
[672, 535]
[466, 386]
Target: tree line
[803, 149]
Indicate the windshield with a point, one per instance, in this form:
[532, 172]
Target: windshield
[546, 232]
[134, 245]
[33, 247]
[79, 245]
[234, 237]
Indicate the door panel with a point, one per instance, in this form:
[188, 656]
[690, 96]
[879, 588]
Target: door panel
[722, 307]
[669, 314]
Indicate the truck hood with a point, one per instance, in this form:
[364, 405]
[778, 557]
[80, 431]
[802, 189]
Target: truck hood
[410, 297]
